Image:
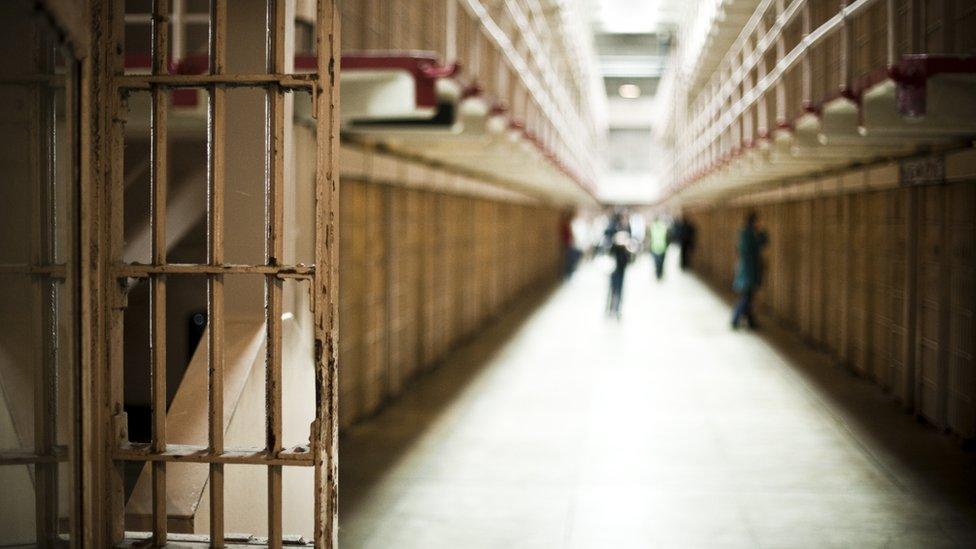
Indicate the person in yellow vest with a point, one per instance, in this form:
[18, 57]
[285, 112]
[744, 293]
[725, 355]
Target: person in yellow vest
[659, 240]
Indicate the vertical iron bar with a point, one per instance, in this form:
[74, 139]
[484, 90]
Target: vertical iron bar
[274, 199]
[157, 303]
[39, 288]
[325, 428]
[71, 207]
[114, 124]
[48, 245]
[216, 118]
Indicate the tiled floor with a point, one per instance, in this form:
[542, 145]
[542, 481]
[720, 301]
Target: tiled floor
[562, 428]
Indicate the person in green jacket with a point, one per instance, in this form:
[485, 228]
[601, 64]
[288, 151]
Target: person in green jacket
[748, 270]
[659, 245]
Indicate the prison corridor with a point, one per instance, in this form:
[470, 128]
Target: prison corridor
[560, 427]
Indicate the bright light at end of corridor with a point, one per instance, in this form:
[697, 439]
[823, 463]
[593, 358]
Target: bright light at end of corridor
[628, 16]
[629, 91]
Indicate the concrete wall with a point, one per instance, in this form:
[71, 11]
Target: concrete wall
[878, 270]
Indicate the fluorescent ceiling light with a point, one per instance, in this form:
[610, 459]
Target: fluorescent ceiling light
[629, 16]
[629, 91]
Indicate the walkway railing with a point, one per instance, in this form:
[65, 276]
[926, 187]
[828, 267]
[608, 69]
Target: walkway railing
[793, 58]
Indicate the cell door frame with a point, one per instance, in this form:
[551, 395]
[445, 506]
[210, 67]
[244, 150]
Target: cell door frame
[106, 447]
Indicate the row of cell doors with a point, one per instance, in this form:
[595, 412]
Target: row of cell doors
[885, 280]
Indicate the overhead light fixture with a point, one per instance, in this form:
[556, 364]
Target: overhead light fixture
[629, 16]
[629, 91]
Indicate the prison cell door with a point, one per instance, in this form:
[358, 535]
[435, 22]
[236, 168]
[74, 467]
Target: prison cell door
[292, 261]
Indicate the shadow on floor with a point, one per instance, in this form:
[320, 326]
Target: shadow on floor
[424, 401]
[913, 454]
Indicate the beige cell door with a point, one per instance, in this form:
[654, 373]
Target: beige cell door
[961, 219]
[215, 210]
[932, 296]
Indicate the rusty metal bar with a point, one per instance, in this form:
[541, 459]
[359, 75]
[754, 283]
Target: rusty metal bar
[215, 257]
[52, 81]
[55, 454]
[56, 271]
[148, 81]
[114, 422]
[274, 214]
[42, 329]
[140, 539]
[299, 456]
[157, 300]
[146, 271]
[325, 286]
[69, 260]
[320, 453]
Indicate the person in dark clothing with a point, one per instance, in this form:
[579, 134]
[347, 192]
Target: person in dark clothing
[748, 271]
[618, 222]
[620, 249]
[684, 234]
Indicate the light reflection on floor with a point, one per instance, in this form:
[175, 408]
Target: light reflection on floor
[562, 428]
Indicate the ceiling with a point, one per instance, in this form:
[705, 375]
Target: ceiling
[638, 16]
[633, 40]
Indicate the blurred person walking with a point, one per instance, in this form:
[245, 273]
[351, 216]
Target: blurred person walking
[621, 252]
[748, 270]
[659, 238]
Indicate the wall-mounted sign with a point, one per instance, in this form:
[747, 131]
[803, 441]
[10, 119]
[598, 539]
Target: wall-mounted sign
[922, 171]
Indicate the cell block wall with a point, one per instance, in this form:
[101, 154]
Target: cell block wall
[878, 273]
[422, 271]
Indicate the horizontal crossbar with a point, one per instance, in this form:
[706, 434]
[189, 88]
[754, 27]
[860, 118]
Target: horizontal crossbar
[138, 539]
[135, 270]
[298, 456]
[16, 457]
[147, 81]
[52, 271]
